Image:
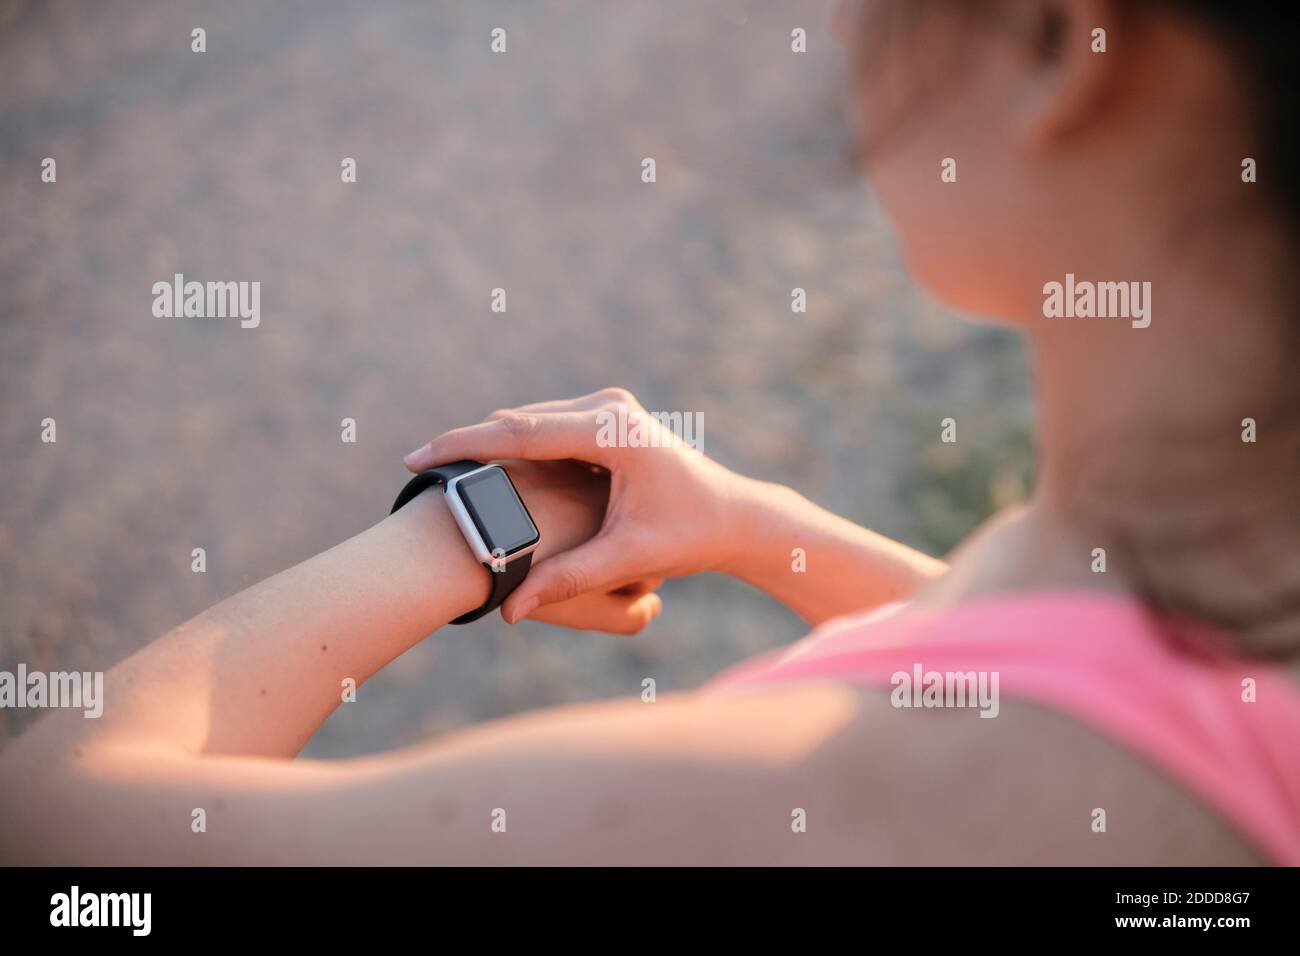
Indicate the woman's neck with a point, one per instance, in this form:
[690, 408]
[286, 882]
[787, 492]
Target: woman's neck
[1145, 450]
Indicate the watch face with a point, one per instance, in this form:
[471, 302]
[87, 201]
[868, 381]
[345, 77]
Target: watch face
[497, 511]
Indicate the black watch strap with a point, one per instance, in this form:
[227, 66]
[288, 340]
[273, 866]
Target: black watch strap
[434, 476]
[504, 581]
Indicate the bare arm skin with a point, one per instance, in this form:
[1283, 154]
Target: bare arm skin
[208, 717]
[846, 567]
[674, 512]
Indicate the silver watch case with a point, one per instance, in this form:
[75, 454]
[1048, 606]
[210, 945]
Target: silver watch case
[477, 546]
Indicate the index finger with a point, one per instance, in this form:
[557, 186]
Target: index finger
[545, 437]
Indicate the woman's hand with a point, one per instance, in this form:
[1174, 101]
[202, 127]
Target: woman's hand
[568, 499]
[672, 512]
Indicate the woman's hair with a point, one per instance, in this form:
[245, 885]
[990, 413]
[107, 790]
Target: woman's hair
[1262, 35]
[1259, 35]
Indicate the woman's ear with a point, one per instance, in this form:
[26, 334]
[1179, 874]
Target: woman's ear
[1068, 70]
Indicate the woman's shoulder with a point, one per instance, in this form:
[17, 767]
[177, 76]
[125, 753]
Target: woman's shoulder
[1033, 787]
[1125, 694]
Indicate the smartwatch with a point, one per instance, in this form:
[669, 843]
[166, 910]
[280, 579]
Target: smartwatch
[490, 514]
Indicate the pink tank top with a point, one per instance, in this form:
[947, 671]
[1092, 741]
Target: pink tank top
[1228, 729]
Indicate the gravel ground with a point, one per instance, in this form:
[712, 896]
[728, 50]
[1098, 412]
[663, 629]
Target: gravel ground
[475, 171]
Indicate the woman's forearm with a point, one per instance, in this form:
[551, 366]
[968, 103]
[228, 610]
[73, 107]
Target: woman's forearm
[818, 564]
[258, 673]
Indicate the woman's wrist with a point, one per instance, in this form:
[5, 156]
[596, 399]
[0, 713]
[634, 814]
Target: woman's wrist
[815, 562]
[426, 531]
[758, 516]
[565, 517]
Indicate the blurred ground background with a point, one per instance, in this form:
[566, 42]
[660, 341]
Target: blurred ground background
[474, 171]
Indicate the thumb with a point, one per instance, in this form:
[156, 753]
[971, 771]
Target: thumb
[588, 567]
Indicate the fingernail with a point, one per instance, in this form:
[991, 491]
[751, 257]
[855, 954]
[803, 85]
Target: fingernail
[528, 607]
[419, 458]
